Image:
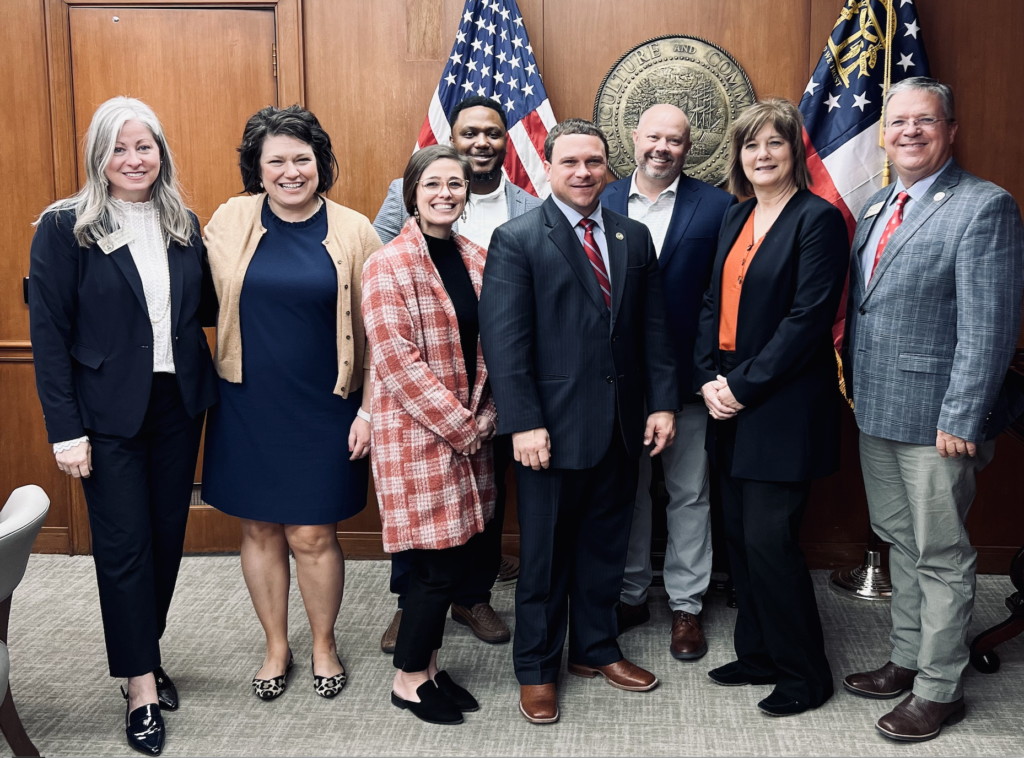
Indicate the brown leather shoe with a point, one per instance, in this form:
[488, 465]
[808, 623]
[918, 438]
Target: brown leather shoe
[539, 703]
[884, 683]
[917, 719]
[483, 622]
[629, 616]
[688, 643]
[387, 642]
[621, 674]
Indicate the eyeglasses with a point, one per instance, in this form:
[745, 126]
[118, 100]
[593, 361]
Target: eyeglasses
[925, 123]
[455, 186]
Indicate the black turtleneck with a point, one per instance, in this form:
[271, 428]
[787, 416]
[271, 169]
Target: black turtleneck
[456, 281]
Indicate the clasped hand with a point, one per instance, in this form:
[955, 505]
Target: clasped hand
[484, 431]
[719, 399]
[76, 461]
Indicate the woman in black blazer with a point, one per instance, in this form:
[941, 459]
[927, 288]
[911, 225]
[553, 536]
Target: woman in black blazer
[766, 367]
[118, 289]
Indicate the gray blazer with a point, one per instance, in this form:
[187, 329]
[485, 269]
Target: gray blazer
[391, 216]
[929, 339]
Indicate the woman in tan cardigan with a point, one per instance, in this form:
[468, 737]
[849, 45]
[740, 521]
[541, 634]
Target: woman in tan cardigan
[286, 448]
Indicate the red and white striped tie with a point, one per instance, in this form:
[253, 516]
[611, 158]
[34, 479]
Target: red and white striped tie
[894, 222]
[596, 261]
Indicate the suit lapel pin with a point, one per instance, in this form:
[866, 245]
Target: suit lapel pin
[619, 236]
[939, 196]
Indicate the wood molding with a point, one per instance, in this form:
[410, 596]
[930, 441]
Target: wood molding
[15, 351]
[53, 539]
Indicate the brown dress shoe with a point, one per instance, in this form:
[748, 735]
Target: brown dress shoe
[539, 703]
[621, 674]
[482, 621]
[390, 638]
[887, 682]
[629, 616]
[917, 719]
[688, 643]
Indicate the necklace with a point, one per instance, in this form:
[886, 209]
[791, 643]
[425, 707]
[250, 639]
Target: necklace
[746, 255]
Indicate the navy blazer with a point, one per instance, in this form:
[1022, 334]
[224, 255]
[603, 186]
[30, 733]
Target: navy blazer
[685, 261]
[92, 340]
[787, 376]
[556, 356]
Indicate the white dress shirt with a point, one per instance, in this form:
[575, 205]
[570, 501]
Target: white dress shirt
[484, 214]
[916, 192]
[655, 215]
[575, 217]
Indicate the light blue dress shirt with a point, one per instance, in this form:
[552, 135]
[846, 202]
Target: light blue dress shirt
[574, 217]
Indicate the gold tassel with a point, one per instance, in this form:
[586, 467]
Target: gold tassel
[842, 380]
[890, 28]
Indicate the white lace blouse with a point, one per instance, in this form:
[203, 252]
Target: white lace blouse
[149, 252]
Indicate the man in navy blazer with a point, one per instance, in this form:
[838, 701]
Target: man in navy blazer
[572, 326]
[684, 216]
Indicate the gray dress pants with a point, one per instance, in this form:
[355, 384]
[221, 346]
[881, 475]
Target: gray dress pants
[688, 555]
[918, 503]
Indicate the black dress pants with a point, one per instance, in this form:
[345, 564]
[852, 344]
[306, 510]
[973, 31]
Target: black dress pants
[485, 552]
[574, 535]
[778, 629]
[138, 498]
[435, 576]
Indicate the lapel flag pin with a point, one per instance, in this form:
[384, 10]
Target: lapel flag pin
[939, 196]
[619, 236]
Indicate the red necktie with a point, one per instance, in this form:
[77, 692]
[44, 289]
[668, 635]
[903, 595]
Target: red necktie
[596, 261]
[894, 222]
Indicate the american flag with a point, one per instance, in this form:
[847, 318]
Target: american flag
[873, 45]
[492, 57]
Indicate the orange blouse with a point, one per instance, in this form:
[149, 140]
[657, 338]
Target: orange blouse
[733, 273]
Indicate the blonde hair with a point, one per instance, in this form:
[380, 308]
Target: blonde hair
[788, 122]
[93, 205]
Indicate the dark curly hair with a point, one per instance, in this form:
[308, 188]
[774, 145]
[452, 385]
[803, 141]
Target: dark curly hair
[294, 121]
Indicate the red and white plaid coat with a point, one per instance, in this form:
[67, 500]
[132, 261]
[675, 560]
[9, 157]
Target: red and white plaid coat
[422, 407]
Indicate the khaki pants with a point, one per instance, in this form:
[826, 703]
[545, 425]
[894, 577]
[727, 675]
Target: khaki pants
[918, 503]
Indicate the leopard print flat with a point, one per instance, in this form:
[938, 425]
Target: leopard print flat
[269, 689]
[328, 686]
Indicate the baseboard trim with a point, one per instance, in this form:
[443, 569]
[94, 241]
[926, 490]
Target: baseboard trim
[53, 539]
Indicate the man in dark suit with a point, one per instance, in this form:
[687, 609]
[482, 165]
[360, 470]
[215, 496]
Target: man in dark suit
[572, 326]
[683, 216]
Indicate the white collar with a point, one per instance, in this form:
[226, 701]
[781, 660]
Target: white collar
[634, 190]
[490, 196]
[574, 216]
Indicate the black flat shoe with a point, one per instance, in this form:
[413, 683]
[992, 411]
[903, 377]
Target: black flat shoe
[458, 695]
[434, 707]
[269, 689]
[328, 686]
[777, 704]
[144, 727]
[166, 692]
[730, 675]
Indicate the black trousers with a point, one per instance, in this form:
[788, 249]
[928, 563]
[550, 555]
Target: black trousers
[778, 629]
[485, 552]
[574, 534]
[435, 576]
[138, 498]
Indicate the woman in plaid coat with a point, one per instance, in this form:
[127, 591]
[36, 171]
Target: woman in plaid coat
[432, 417]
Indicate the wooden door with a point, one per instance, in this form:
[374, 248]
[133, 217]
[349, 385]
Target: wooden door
[204, 71]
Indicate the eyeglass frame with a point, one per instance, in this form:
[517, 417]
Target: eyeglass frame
[464, 188]
[927, 122]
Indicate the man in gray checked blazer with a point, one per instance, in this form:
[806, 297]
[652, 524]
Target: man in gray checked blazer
[480, 132]
[936, 281]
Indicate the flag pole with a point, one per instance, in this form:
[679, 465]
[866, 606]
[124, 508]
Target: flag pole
[890, 26]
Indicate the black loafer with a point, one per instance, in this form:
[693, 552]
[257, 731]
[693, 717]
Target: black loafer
[777, 704]
[166, 692]
[144, 727]
[730, 675]
[458, 695]
[434, 707]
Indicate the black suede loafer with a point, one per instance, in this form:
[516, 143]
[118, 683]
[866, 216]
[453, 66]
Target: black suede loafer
[730, 675]
[434, 707]
[166, 692]
[777, 704]
[458, 695]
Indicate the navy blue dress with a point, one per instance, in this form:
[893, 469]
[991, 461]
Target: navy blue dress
[277, 444]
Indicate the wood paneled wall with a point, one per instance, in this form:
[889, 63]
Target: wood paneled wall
[370, 70]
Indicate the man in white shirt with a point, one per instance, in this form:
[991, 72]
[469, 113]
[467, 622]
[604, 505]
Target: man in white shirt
[480, 132]
[683, 216]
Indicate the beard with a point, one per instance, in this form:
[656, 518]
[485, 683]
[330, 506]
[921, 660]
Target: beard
[658, 173]
[487, 176]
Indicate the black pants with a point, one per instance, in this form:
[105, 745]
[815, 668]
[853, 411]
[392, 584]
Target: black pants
[485, 553]
[138, 498]
[574, 535]
[435, 576]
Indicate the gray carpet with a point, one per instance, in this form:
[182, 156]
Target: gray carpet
[214, 645]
